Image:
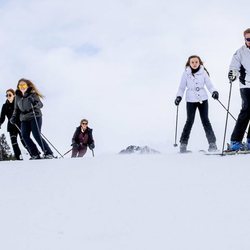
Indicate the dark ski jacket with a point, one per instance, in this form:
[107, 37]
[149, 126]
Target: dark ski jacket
[76, 136]
[7, 111]
[23, 105]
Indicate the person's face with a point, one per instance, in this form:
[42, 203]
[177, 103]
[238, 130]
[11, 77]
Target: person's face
[22, 86]
[194, 63]
[9, 96]
[84, 125]
[247, 39]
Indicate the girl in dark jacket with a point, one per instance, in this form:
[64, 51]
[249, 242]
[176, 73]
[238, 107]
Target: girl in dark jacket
[82, 138]
[14, 130]
[28, 105]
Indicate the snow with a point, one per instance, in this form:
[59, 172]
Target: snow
[126, 202]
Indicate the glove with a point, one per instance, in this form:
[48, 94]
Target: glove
[13, 120]
[232, 75]
[91, 146]
[215, 95]
[75, 145]
[177, 100]
[31, 100]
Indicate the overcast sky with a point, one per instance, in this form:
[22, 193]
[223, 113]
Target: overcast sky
[118, 63]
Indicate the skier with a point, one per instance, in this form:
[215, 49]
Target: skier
[28, 104]
[82, 139]
[194, 79]
[240, 66]
[14, 130]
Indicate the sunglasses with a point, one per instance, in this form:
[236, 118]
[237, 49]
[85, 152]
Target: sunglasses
[247, 39]
[9, 95]
[24, 85]
[84, 123]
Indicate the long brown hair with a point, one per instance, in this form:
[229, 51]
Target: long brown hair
[199, 59]
[31, 85]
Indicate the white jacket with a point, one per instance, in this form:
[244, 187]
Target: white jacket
[241, 63]
[195, 85]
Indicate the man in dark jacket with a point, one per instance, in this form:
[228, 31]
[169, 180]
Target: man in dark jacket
[14, 130]
[82, 139]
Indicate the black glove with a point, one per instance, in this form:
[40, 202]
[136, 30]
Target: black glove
[215, 95]
[91, 146]
[177, 100]
[31, 100]
[75, 145]
[13, 120]
[231, 75]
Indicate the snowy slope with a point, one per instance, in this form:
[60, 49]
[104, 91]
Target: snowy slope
[113, 202]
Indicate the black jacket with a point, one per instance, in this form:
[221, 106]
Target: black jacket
[75, 138]
[23, 105]
[7, 111]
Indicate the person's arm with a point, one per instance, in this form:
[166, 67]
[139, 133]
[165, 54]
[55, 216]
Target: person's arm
[3, 114]
[182, 86]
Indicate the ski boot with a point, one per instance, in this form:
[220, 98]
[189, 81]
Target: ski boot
[236, 146]
[183, 148]
[212, 147]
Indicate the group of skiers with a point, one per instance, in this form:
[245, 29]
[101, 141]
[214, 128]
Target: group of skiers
[23, 111]
[194, 80]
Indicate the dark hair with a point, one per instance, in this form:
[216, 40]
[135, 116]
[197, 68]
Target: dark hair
[84, 120]
[11, 90]
[199, 59]
[247, 31]
[32, 85]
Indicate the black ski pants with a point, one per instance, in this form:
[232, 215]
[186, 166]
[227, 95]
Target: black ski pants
[203, 110]
[14, 143]
[243, 118]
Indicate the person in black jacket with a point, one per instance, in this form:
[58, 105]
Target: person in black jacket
[28, 105]
[82, 139]
[14, 130]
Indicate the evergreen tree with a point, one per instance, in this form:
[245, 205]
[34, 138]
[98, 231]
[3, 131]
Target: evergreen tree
[5, 153]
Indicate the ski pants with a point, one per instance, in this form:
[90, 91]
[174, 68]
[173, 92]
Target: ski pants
[31, 126]
[14, 143]
[203, 110]
[243, 118]
[78, 151]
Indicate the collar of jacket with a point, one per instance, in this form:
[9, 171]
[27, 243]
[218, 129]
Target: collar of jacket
[189, 70]
[27, 92]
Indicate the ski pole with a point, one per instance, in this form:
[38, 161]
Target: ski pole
[228, 106]
[228, 112]
[176, 126]
[51, 144]
[67, 152]
[93, 153]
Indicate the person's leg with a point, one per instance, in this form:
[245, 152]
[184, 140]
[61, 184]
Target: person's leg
[23, 142]
[25, 131]
[203, 110]
[243, 118]
[82, 151]
[36, 132]
[191, 109]
[74, 152]
[16, 149]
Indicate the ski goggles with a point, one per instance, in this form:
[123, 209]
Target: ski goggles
[247, 39]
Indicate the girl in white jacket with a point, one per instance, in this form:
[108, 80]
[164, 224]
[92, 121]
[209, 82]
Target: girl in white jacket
[194, 80]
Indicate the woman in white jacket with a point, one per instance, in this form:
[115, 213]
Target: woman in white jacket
[194, 80]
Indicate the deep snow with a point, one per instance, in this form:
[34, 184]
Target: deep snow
[135, 202]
